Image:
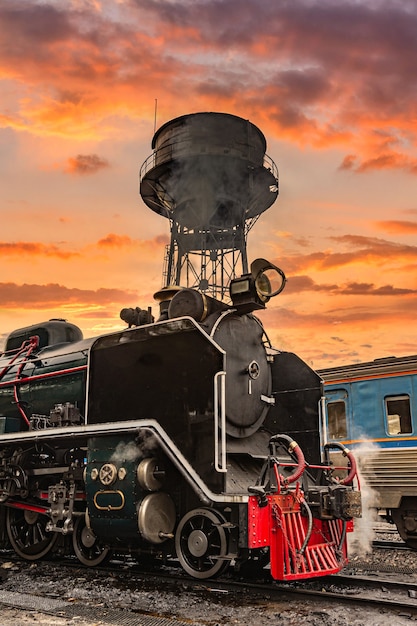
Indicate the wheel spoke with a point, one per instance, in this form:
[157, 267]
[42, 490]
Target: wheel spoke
[88, 549]
[201, 543]
[27, 534]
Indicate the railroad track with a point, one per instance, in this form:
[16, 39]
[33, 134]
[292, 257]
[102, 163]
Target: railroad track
[390, 545]
[390, 539]
[364, 590]
[397, 598]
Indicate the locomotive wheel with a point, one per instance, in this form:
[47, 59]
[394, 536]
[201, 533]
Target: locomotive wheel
[88, 549]
[28, 535]
[201, 543]
[405, 519]
[411, 543]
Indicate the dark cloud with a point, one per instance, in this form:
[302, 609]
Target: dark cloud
[314, 71]
[349, 162]
[85, 164]
[298, 284]
[54, 295]
[33, 23]
[325, 33]
[369, 289]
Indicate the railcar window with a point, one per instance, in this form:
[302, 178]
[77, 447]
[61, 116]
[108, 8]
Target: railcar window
[336, 417]
[398, 415]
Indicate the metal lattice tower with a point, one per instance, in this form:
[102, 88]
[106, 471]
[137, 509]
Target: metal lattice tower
[210, 176]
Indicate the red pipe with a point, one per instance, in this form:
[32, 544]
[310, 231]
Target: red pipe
[353, 468]
[301, 463]
[293, 447]
[346, 452]
[33, 343]
[28, 507]
[29, 379]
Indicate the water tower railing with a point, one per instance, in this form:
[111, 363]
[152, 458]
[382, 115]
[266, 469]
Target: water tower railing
[166, 152]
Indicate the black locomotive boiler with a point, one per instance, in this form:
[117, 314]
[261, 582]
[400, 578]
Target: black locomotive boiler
[188, 438]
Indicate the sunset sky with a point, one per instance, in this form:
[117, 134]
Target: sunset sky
[332, 84]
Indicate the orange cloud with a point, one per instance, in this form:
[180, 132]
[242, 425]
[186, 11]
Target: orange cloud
[54, 295]
[88, 72]
[319, 91]
[34, 249]
[85, 164]
[115, 241]
[362, 250]
[284, 319]
[124, 241]
[384, 161]
[111, 241]
[397, 227]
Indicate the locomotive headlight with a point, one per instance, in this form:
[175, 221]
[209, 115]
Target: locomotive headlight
[263, 284]
[269, 279]
[252, 291]
[239, 286]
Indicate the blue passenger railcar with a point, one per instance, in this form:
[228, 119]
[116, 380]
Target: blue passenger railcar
[372, 408]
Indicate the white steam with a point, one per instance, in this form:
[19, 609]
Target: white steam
[360, 541]
[145, 445]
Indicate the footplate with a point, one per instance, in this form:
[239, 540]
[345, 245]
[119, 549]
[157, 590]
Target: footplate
[300, 546]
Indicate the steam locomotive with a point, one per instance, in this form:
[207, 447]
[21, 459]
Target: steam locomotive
[189, 438]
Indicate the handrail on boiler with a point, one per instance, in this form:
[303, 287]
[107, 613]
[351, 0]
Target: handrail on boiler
[220, 406]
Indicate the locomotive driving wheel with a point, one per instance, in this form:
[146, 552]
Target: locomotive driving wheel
[201, 543]
[405, 519]
[88, 549]
[27, 533]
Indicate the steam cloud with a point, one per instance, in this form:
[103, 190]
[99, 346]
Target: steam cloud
[145, 445]
[360, 541]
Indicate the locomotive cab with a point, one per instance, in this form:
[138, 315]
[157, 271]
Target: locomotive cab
[51, 333]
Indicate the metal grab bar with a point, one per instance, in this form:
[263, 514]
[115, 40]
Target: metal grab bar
[220, 403]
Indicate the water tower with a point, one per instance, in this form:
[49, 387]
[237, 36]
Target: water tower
[209, 175]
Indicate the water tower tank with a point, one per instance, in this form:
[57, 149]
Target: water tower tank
[208, 170]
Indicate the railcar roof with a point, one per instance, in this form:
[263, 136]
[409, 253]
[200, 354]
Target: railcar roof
[385, 365]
